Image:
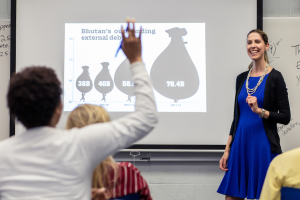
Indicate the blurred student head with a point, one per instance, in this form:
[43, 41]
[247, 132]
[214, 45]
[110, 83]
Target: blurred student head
[90, 114]
[34, 97]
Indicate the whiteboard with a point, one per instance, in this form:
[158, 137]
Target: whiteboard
[284, 55]
[4, 75]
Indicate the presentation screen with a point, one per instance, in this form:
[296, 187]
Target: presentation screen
[95, 74]
[192, 50]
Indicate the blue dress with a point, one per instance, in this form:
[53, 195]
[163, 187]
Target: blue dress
[250, 153]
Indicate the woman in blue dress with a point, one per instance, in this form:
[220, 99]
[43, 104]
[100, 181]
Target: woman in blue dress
[261, 102]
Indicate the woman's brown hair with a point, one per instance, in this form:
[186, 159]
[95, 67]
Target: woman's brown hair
[266, 41]
[90, 114]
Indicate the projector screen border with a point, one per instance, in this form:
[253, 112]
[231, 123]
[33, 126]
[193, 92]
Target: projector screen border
[178, 147]
[137, 146]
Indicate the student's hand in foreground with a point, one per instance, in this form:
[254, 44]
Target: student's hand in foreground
[131, 45]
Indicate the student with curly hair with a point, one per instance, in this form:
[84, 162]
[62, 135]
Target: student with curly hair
[48, 163]
[119, 179]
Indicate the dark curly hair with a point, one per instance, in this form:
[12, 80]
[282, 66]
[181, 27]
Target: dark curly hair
[33, 95]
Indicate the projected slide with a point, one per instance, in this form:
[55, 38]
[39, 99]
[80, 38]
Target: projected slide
[174, 54]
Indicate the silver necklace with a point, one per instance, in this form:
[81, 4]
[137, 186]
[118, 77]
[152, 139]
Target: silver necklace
[253, 90]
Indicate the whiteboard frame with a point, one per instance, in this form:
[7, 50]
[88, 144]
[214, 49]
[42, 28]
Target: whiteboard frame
[137, 146]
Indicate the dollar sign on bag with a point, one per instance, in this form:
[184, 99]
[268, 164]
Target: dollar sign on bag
[84, 83]
[173, 73]
[123, 79]
[103, 81]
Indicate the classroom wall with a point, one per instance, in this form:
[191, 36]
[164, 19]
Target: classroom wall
[189, 180]
[4, 9]
[279, 8]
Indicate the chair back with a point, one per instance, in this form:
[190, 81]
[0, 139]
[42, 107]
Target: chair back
[129, 197]
[288, 193]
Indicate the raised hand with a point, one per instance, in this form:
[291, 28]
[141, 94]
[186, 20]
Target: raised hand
[131, 45]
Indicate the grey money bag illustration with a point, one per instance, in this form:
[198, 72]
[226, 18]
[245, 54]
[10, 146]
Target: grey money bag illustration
[123, 79]
[84, 83]
[173, 73]
[103, 81]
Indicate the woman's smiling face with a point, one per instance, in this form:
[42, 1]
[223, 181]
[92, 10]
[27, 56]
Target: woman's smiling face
[256, 46]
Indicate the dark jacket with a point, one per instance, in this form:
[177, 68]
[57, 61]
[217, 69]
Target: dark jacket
[275, 101]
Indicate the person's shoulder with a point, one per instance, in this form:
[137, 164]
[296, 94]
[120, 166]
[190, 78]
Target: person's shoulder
[291, 154]
[6, 145]
[128, 166]
[125, 164]
[241, 75]
[287, 157]
[275, 73]
[7, 142]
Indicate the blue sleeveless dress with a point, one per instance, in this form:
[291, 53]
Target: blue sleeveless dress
[250, 153]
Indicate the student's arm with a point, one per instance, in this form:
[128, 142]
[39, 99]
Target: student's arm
[272, 185]
[100, 140]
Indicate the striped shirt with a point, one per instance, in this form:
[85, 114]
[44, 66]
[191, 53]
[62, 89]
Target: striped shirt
[130, 181]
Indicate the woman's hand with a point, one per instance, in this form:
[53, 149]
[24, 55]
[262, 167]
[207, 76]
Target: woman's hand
[252, 102]
[223, 161]
[99, 194]
[131, 45]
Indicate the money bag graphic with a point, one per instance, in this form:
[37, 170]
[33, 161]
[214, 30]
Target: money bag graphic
[173, 73]
[84, 83]
[103, 81]
[123, 79]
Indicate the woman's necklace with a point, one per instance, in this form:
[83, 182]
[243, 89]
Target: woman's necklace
[252, 91]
